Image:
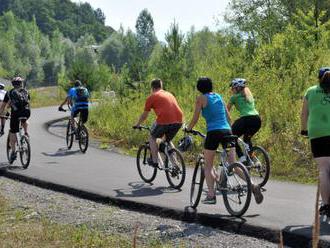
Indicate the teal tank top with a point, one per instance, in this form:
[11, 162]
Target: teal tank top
[215, 113]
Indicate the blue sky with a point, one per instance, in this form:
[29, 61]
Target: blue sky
[187, 13]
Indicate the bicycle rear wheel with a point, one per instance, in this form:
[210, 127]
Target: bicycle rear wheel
[9, 150]
[69, 135]
[146, 171]
[197, 183]
[260, 167]
[237, 193]
[83, 138]
[175, 169]
[25, 152]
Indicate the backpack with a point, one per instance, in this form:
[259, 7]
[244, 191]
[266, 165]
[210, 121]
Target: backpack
[19, 99]
[82, 94]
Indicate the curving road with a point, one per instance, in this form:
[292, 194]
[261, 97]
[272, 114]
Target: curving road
[287, 206]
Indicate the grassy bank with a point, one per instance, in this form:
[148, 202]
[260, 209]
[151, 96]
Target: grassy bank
[19, 230]
[46, 96]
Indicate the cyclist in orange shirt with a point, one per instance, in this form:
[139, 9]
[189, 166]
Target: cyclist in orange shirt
[169, 117]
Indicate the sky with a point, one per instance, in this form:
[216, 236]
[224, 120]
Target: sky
[187, 13]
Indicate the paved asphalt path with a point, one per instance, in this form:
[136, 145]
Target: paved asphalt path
[286, 206]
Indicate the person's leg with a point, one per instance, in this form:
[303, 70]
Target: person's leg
[157, 131]
[209, 172]
[238, 130]
[324, 176]
[2, 128]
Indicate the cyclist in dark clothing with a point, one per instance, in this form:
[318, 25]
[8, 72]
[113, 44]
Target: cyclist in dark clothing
[18, 99]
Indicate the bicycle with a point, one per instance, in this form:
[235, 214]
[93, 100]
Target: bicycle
[234, 181]
[77, 131]
[169, 159]
[257, 162]
[23, 146]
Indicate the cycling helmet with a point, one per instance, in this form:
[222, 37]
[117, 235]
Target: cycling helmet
[238, 82]
[322, 71]
[185, 143]
[17, 81]
[77, 83]
[2, 86]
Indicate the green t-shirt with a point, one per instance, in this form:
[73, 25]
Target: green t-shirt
[245, 107]
[318, 124]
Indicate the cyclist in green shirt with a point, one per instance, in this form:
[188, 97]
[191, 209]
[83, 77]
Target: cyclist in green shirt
[315, 123]
[249, 122]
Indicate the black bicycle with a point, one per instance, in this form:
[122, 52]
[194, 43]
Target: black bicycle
[76, 130]
[169, 159]
[23, 146]
[233, 179]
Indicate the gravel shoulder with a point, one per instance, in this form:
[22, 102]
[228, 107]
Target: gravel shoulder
[61, 208]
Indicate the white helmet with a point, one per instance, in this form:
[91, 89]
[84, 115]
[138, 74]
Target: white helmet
[2, 86]
[238, 82]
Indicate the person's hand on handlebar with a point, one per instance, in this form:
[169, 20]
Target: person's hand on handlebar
[60, 108]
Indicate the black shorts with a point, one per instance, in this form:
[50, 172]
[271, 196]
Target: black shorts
[170, 130]
[214, 138]
[14, 119]
[247, 125]
[83, 114]
[321, 147]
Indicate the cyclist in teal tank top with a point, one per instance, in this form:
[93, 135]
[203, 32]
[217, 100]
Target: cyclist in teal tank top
[214, 110]
[315, 123]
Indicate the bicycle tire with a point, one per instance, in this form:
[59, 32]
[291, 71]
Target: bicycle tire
[8, 149]
[83, 138]
[142, 164]
[25, 141]
[69, 135]
[264, 171]
[230, 192]
[197, 182]
[175, 172]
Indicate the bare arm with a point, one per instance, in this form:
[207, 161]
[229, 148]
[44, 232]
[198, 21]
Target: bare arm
[304, 115]
[227, 113]
[65, 101]
[198, 109]
[142, 118]
[3, 106]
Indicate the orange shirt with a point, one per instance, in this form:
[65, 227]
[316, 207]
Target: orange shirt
[165, 106]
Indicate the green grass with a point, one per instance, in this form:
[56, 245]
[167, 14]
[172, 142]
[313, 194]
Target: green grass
[46, 96]
[17, 231]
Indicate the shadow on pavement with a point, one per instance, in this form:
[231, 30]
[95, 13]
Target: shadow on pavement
[62, 152]
[140, 189]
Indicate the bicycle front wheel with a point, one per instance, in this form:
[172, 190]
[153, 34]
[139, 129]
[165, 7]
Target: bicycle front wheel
[237, 192]
[146, 171]
[25, 152]
[197, 183]
[260, 168]
[175, 169]
[69, 135]
[83, 138]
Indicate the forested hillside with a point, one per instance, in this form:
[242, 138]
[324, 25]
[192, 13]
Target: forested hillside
[71, 19]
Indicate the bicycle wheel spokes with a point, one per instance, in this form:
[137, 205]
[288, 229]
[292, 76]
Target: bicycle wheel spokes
[175, 169]
[69, 135]
[83, 139]
[260, 167]
[197, 183]
[237, 193]
[25, 152]
[146, 171]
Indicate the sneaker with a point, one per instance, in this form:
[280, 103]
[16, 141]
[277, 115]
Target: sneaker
[13, 157]
[325, 210]
[152, 163]
[209, 200]
[257, 194]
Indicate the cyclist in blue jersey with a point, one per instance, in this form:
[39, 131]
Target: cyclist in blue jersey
[77, 98]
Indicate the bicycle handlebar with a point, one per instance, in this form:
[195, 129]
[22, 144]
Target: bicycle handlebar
[195, 132]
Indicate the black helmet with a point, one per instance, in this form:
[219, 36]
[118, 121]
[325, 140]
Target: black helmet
[2, 86]
[322, 71]
[185, 143]
[17, 81]
[77, 83]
